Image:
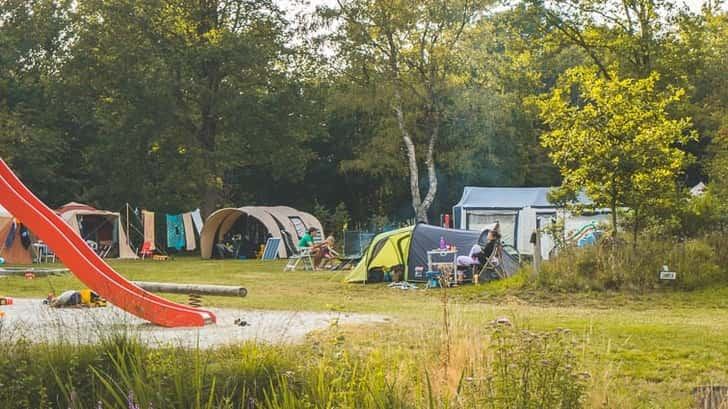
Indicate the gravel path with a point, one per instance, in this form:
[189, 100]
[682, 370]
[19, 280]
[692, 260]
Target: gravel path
[31, 319]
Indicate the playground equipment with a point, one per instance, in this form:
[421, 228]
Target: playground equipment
[199, 289]
[86, 265]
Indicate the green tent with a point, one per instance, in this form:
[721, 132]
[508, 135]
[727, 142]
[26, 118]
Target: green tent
[386, 249]
[409, 247]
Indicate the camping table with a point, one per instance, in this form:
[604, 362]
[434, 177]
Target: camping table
[448, 261]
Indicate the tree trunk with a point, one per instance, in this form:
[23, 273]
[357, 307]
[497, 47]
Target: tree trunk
[210, 201]
[419, 206]
[424, 207]
[414, 173]
[635, 228]
[614, 220]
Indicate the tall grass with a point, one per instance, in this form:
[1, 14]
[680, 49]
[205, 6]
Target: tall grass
[697, 262]
[502, 367]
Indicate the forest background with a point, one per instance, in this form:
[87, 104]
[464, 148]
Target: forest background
[358, 110]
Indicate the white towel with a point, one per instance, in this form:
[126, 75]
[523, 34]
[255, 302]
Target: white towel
[197, 218]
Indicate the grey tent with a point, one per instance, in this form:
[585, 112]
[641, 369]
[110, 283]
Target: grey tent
[408, 247]
[426, 237]
[516, 210]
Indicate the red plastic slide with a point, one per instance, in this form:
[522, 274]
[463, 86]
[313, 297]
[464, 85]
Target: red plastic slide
[87, 265]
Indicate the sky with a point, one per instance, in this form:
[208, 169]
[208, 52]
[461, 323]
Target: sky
[292, 6]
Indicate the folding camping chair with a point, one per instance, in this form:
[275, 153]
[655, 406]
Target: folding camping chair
[146, 250]
[104, 249]
[304, 255]
[43, 253]
[490, 265]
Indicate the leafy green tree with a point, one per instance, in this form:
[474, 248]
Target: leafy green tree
[410, 55]
[183, 96]
[614, 139]
[627, 34]
[33, 138]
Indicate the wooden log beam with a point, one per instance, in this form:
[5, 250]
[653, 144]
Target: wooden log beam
[201, 289]
[38, 272]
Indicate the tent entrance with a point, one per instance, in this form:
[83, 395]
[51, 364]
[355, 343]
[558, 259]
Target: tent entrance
[248, 233]
[100, 229]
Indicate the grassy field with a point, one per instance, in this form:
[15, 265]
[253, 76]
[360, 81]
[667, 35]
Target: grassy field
[641, 350]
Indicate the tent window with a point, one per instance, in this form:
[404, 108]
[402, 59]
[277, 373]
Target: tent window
[377, 248]
[478, 219]
[298, 224]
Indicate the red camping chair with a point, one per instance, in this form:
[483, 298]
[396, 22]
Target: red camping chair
[146, 250]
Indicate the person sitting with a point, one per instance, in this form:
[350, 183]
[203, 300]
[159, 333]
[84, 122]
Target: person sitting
[467, 264]
[487, 257]
[472, 258]
[326, 253]
[307, 239]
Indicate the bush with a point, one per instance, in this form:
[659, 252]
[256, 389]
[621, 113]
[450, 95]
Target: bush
[622, 266]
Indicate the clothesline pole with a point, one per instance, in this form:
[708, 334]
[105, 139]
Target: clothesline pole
[128, 240]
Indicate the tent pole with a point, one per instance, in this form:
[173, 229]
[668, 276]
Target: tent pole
[128, 242]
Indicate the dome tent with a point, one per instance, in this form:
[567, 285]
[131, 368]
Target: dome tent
[221, 221]
[257, 223]
[408, 247]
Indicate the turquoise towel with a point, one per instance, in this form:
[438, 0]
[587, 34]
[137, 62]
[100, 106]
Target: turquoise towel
[175, 231]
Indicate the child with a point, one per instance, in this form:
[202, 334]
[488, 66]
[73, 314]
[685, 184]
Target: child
[327, 252]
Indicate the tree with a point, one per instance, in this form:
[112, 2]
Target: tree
[614, 139]
[629, 34]
[33, 139]
[410, 53]
[184, 96]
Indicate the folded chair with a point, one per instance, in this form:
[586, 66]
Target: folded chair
[489, 264]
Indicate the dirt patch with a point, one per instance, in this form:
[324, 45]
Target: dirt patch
[30, 319]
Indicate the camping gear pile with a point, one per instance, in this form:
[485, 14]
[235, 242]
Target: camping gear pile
[78, 299]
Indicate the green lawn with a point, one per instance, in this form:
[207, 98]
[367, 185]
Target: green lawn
[645, 351]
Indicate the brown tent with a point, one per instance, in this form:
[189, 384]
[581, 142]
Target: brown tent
[16, 253]
[100, 226]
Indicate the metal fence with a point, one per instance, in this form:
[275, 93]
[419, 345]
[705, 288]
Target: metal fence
[356, 241]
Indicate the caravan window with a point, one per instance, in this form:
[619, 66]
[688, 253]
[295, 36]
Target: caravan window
[478, 219]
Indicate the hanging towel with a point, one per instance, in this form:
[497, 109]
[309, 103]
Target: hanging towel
[148, 220]
[197, 218]
[10, 239]
[189, 231]
[175, 231]
[24, 236]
